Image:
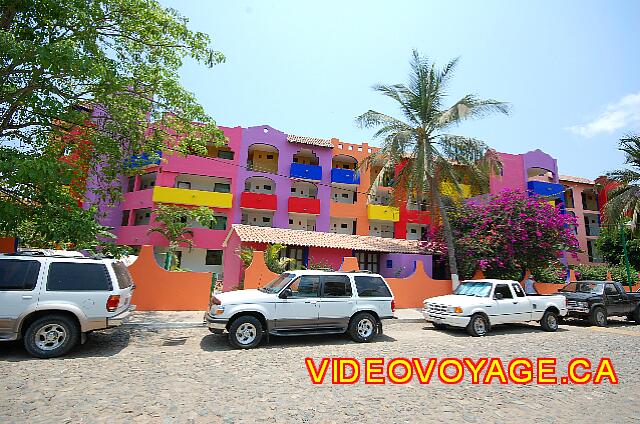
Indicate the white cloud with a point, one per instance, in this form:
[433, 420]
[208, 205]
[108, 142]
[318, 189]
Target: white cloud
[623, 114]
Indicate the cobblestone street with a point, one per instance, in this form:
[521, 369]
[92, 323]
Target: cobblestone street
[142, 374]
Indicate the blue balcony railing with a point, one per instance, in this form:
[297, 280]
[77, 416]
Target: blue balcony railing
[344, 176]
[144, 159]
[306, 172]
[542, 188]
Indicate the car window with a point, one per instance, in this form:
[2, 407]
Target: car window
[305, 286]
[17, 274]
[371, 287]
[610, 290]
[504, 289]
[122, 275]
[518, 290]
[336, 286]
[73, 276]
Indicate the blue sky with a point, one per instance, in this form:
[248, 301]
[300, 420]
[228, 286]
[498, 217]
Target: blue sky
[570, 69]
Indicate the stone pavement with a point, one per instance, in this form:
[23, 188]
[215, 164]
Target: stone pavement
[141, 374]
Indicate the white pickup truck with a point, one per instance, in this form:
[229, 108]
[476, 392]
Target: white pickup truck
[478, 304]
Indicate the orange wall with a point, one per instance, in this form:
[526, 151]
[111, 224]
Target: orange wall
[160, 290]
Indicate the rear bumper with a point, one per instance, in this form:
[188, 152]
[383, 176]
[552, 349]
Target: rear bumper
[216, 325]
[452, 320]
[121, 318]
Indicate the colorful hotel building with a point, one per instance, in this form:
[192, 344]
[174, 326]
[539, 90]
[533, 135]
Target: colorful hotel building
[266, 186]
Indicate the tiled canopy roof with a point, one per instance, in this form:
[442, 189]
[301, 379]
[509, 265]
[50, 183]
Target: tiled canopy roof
[322, 142]
[251, 233]
[576, 179]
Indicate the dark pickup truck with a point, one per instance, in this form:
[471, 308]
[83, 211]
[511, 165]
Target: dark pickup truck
[597, 300]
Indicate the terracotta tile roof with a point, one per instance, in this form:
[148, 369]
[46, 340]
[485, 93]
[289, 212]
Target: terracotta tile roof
[576, 179]
[252, 233]
[322, 142]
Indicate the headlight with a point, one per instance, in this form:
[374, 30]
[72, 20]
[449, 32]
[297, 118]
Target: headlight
[583, 304]
[454, 310]
[219, 310]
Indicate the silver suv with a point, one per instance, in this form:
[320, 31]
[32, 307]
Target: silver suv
[304, 302]
[52, 301]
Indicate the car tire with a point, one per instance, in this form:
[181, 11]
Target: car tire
[245, 332]
[598, 316]
[478, 325]
[439, 326]
[636, 315]
[549, 321]
[51, 336]
[362, 327]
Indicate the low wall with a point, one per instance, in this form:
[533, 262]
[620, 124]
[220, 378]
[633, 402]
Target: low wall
[160, 290]
[8, 244]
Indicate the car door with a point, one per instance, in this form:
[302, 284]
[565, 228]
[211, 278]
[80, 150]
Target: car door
[523, 306]
[616, 304]
[508, 307]
[18, 291]
[336, 304]
[300, 310]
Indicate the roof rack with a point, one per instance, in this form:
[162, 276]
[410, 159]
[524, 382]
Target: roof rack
[50, 254]
[361, 271]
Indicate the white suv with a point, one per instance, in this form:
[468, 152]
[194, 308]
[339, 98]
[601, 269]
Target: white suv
[52, 301]
[304, 302]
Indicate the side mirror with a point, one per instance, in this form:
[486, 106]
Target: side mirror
[498, 296]
[286, 293]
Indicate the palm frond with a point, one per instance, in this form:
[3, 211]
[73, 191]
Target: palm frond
[471, 107]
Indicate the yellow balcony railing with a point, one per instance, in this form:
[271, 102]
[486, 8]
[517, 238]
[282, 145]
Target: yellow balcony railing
[183, 196]
[448, 189]
[383, 213]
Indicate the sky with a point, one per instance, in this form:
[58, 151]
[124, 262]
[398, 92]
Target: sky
[569, 69]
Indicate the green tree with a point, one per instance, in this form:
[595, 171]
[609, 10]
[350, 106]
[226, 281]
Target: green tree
[109, 67]
[273, 257]
[609, 244]
[421, 147]
[174, 225]
[624, 201]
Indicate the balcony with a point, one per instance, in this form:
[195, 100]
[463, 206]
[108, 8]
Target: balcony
[546, 189]
[383, 213]
[421, 217]
[304, 205]
[306, 172]
[183, 196]
[262, 201]
[344, 176]
[142, 160]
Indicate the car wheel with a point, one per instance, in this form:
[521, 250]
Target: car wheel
[598, 316]
[362, 327]
[549, 321]
[478, 325]
[51, 336]
[245, 332]
[439, 326]
[636, 315]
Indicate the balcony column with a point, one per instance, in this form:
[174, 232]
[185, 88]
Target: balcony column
[323, 221]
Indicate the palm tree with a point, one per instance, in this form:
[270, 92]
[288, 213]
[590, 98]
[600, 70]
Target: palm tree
[420, 151]
[624, 201]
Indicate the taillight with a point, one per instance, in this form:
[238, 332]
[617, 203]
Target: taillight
[112, 302]
[393, 305]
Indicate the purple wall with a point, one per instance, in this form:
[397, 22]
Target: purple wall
[265, 134]
[539, 159]
[403, 264]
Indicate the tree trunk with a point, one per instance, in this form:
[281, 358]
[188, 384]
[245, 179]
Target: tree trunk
[448, 236]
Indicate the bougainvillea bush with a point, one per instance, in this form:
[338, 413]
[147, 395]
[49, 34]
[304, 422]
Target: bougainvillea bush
[509, 233]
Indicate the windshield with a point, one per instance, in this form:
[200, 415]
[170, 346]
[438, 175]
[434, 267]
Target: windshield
[584, 287]
[474, 288]
[278, 284]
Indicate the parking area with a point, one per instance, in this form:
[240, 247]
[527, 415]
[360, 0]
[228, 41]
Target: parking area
[147, 374]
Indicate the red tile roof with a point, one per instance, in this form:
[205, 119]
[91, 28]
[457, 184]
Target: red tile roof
[252, 233]
[322, 142]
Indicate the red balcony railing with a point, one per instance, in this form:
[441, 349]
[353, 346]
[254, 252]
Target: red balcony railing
[304, 205]
[258, 201]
